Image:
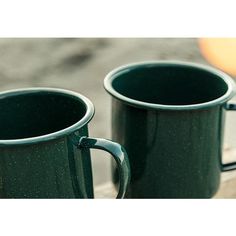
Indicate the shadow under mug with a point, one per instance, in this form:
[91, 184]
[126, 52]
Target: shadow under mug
[170, 118]
[44, 148]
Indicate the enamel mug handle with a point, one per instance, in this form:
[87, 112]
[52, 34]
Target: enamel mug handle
[232, 165]
[118, 153]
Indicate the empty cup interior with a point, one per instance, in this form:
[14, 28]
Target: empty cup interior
[169, 84]
[36, 114]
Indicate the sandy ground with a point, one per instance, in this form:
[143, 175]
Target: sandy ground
[81, 65]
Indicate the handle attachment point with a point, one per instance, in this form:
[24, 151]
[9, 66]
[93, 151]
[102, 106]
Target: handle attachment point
[118, 153]
[232, 165]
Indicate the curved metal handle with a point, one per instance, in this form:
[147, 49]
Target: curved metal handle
[232, 165]
[119, 154]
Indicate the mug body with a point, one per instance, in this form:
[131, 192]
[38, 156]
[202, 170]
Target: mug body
[39, 157]
[170, 118]
[172, 154]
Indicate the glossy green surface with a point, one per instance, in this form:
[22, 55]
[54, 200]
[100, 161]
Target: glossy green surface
[172, 154]
[120, 157]
[53, 169]
[170, 119]
[146, 85]
[41, 151]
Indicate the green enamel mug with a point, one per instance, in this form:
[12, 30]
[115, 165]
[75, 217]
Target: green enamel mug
[45, 148]
[169, 116]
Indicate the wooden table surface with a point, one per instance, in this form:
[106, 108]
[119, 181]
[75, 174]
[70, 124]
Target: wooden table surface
[227, 188]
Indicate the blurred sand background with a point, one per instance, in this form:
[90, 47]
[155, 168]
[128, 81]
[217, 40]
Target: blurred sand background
[81, 65]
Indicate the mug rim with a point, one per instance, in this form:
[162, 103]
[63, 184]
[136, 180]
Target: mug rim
[54, 135]
[112, 75]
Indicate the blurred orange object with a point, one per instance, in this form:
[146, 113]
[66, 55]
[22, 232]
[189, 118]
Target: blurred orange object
[220, 52]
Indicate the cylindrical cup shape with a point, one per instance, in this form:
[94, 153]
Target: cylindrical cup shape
[52, 169]
[44, 145]
[170, 118]
[38, 155]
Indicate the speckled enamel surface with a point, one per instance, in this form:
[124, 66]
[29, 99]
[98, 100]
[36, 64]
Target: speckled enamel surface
[45, 148]
[169, 115]
[173, 154]
[52, 169]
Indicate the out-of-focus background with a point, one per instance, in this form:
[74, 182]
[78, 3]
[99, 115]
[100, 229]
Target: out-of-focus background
[81, 65]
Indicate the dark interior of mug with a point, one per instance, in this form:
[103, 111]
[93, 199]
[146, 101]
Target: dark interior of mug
[169, 84]
[36, 114]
